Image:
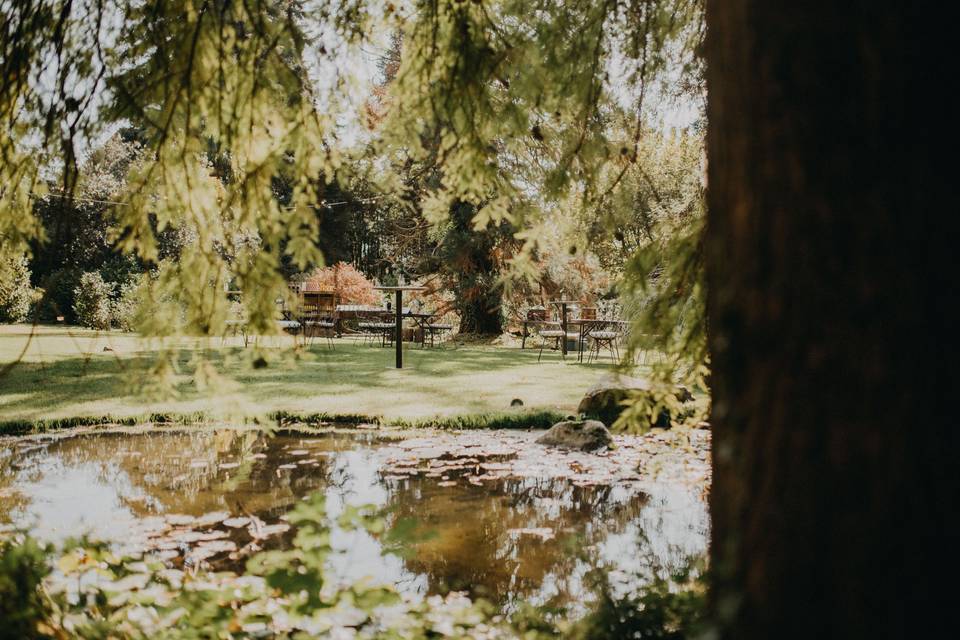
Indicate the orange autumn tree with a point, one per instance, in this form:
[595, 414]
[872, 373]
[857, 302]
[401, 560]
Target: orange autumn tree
[351, 286]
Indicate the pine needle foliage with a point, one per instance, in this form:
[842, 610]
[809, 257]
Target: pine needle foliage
[527, 110]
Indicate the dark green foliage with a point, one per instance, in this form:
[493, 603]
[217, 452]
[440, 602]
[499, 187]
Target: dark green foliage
[23, 427]
[290, 602]
[23, 566]
[531, 419]
[665, 609]
[76, 236]
[58, 295]
[469, 265]
[658, 612]
[288, 418]
[92, 301]
[354, 228]
[120, 269]
[127, 306]
[16, 294]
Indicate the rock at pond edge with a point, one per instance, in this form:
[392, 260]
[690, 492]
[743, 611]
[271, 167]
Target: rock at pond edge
[603, 400]
[584, 435]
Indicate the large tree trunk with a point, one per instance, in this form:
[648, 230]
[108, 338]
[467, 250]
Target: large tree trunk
[469, 260]
[828, 299]
[481, 314]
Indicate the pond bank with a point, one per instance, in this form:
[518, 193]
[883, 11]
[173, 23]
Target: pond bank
[66, 374]
[509, 419]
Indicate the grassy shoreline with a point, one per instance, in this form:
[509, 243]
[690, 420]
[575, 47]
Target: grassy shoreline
[67, 376]
[517, 419]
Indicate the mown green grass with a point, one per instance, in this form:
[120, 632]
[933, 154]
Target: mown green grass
[64, 376]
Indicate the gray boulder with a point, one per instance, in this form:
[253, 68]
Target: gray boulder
[584, 435]
[602, 401]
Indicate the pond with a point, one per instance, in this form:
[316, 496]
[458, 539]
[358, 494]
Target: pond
[497, 516]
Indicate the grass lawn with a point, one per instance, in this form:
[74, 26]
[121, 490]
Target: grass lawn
[66, 372]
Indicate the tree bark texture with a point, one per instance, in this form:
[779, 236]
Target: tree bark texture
[474, 272]
[830, 287]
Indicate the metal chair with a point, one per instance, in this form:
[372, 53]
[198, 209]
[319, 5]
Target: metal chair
[603, 338]
[436, 326]
[316, 311]
[555, 335]
[312, 328]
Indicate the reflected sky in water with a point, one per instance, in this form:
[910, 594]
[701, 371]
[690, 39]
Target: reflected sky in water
[472, 538]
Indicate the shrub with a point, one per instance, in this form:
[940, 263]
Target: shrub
[92, 303]
[283, 594]
[290, 592]
[125, 309]
[23, 566]
[16, 294]
[120, 268]
[351, 286]
[665, 610]
[58, 295]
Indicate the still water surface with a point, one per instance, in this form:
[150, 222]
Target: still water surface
[505, 538]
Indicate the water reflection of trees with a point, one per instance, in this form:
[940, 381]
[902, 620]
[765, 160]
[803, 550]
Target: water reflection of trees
[180, 472]
[10, 498]
[475, 543]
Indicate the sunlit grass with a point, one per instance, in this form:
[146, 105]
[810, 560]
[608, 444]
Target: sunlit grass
[66, 373]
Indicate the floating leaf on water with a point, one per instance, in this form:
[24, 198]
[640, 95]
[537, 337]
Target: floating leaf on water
[236, 523]
[153, 525]
[265, 531]
[415, 443]
[134, 581]
[495, 466]
[206, 550]
[299, 452]
[210, 519]
[168, 545]
[286, 466]
[179, 519]
[447, 483]
[229, 465]
[187, 537]
[431, 453]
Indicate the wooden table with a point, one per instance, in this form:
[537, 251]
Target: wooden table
[399, 307]
[563, 321]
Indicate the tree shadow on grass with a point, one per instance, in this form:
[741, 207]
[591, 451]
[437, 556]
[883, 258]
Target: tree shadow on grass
[32, 391]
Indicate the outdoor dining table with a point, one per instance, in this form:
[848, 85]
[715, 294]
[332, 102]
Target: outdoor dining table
[422, 319]
[399, 309]
[586, 326]
[563, 321]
